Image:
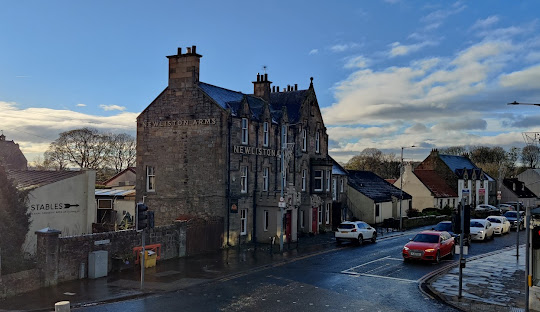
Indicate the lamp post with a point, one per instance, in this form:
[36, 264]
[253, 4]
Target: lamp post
[401, 171]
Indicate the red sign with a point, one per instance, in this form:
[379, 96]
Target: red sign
[481, 191]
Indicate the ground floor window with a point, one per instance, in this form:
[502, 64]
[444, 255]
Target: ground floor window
[377, 210]
[327, 219]
[266, 220]
[243, 221]
[320, 215]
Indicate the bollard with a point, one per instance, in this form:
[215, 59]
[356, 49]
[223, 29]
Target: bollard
[62, 306]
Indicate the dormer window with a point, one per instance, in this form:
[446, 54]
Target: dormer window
[245, 132]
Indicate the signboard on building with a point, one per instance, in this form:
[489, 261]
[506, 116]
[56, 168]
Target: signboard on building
[481, 191]
[465, 191]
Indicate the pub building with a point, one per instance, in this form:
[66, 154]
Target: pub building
[205, 152]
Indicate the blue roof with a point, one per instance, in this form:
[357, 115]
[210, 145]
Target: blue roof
[232, 100]
[374, 187]
[457, 162]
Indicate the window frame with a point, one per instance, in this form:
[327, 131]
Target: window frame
[327, 214]
[328, 180]
[150, 179]
[317, 142]
[105, 200]
[265, 134]
[244, 179]
[265, 173]
[319, 215]
[341, 185]
[243, 221]
[304, 140]
[334, 188]
[316, 178]
[304, 180]
[245, 131]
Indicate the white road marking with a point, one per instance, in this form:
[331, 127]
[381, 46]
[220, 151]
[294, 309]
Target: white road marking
[350, 269]
[386, 277]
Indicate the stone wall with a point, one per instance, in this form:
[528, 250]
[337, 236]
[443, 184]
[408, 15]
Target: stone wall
[20, 282]
[61, 258]
[409, 223]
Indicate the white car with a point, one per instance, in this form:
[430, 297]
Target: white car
[357, 231]
[486, 207]
[500, 224]
[481, 229]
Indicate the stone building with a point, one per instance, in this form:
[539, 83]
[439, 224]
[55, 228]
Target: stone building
[11, 156]
[204, 151]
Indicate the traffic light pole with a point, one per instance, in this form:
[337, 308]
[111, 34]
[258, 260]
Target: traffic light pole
[518, 218]
[461, 236]
[527, 256]
[142, 260]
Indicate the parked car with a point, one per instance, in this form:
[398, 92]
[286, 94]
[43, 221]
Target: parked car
[429, 245]
[447, 226]
[486, 207]
[501, 225]
[357, 231]
[505, 207]
[481, 229]
[515, 222]
[516, 205]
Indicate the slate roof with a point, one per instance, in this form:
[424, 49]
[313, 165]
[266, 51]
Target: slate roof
[373, 186]
[435, 184]
[233, 100]
[31, 179]
[521, 190]
[458, 163]
[337, 169]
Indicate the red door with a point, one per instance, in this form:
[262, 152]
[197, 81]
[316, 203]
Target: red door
[288, 223]
[314, 222]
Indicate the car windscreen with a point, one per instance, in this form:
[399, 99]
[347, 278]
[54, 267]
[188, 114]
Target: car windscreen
[426, 238]
[443, 227]
[346, 226]
[511, 214]
[494, 220]
[476, 224]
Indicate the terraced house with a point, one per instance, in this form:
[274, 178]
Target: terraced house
[204, 152]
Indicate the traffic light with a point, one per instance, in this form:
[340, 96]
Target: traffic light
[142, 216]
[535, 237]
[456, 222]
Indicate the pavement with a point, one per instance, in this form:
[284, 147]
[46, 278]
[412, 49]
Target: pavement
[491, 282]
[229, 263]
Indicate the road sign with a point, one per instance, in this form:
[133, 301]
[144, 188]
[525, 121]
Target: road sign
[281, 199]
[465, 191]
[282, 205]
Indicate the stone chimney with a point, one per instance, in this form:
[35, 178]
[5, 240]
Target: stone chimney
[184, 68]
[261, 87]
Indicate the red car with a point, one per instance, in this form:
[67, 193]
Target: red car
[429, 245]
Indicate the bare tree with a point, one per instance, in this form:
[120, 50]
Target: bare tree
[123, 152]
[530, 155]
[454, 150]
[374, 160]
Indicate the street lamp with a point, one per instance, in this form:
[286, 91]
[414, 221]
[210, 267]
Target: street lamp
[518, 103]
[401, 188]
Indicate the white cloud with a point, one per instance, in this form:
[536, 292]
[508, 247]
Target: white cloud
[112, 107]
[397, 49]
[524, 79]
[485, 23]
[356, 62]
[343, 47]
[81, 105]
[313, 51]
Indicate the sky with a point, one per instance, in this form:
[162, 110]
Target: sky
[387, 74]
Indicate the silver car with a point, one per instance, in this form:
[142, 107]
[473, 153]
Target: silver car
[356, 231]
[481, 229]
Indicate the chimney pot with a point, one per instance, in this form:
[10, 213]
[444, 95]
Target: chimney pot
[188, 50]
[194, 48]
[265, 77]
[295, 87]
[273, 88]
[277, 88]
[179, 51]
[258, 77]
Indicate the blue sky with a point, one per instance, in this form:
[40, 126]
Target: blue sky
[387, 73]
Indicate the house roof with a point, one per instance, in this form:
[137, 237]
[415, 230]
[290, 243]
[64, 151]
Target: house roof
[132, 169]
[435, 183]
[114, 192]
[374, 187]
[337, 169]
[458, 164]
[229, 99]
[31, 179]
[521, 190]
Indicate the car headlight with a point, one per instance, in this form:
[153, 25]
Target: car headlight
[497, 228]
[406, 248]
[480, 232]
[430, 250]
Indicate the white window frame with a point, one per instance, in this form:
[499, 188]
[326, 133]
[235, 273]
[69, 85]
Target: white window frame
[316, 178]
[317, 142]
[243, 179]
[304, 140]
[334, 188]
[327, 220]
[103, 201]
[341, 185]
[243, 221]
[320, 215]
[150, 179]
[265, 178]
[328, 180]
[266, 221]
[304, 177]
[302, 221]
[265, 134]
[245, 131]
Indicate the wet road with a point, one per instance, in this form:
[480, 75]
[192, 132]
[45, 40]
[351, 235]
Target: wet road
[372, 277]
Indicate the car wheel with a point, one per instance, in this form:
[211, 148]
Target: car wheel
[374, 237]
[438, 257]
[360, 239]
[492, 236]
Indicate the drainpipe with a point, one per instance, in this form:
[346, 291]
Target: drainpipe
[255, 186]
[228, 212]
